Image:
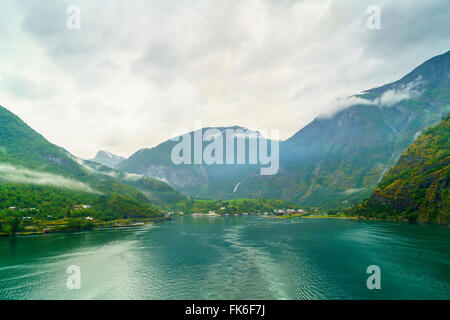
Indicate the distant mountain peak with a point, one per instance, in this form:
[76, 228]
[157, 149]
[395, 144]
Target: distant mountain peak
[108, 159]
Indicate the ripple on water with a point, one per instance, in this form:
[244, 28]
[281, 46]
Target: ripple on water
[238, 258]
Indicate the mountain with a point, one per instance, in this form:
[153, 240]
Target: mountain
[36, 173]
[338, 160]
[108, 159]
[197, 180]
[417, 187]
[335, 160]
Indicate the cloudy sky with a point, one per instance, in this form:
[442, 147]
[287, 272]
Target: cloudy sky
[138, 71]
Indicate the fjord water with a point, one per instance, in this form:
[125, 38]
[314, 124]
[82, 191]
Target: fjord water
[232, 258]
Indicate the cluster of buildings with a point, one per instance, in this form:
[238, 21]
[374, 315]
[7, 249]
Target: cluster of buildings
[210, 213]
[81, 207]
[23, 210]
[226, 212]
[277, 212]
[34, 210]
[286, 212]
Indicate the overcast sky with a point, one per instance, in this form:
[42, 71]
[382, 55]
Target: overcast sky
[138, 71]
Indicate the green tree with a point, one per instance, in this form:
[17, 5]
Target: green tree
[15, 223]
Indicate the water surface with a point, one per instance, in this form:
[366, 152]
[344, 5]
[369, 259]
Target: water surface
[232, 258]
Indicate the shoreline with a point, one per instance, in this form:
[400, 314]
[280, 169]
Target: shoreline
[342, 217]
[106, 225]
[100, 226]
[375, 219]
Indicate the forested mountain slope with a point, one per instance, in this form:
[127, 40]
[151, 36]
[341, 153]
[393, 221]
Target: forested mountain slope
[417, 188]
[37, 174]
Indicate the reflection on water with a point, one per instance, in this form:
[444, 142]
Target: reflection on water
[232, 258]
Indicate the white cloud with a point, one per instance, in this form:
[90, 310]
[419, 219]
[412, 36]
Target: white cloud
[407, 91]
[387, 99]
[25, 176]
[137, 71]
[342, 103]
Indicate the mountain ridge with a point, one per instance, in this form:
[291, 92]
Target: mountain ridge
[332, 161]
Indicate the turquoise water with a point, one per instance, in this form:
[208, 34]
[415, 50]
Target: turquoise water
[232, 258]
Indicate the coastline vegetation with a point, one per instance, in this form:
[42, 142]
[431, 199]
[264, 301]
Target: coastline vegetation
[13, 223]
[236, 206]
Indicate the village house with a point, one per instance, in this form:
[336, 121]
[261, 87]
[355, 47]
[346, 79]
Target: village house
[81, 207]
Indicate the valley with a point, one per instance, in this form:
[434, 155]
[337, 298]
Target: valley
[333, 163]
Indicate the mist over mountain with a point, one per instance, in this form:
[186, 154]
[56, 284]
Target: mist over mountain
[338, 160]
